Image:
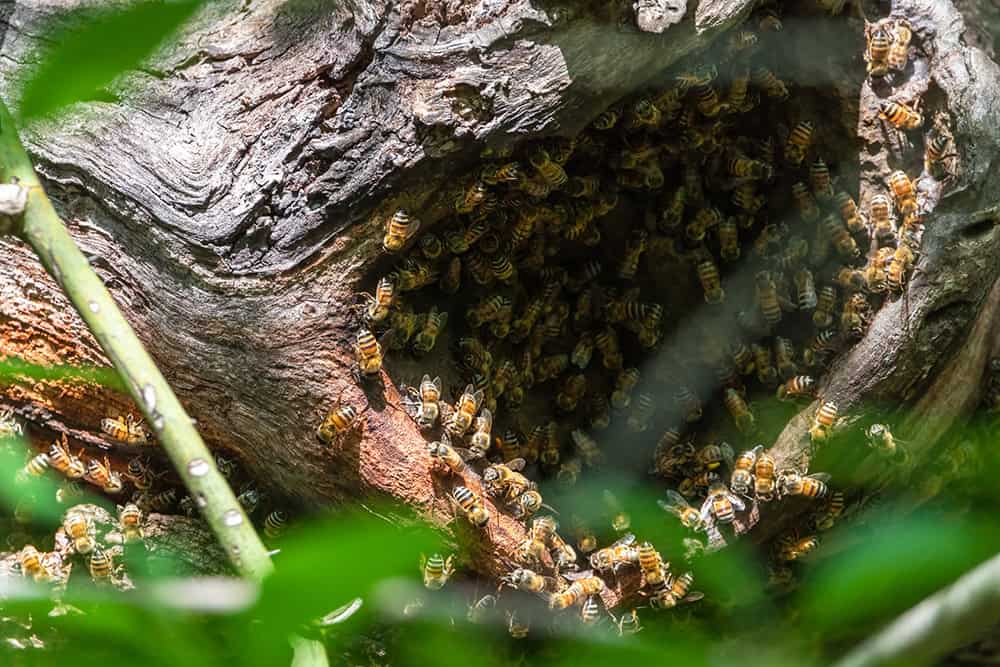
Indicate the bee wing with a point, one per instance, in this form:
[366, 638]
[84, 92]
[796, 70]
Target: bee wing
[715, 539]
[693, 596]
[478, 396]
[668, 507]
[706, 510]
[573, 575]
[676, 499]
[624, 540]
[446, 412]
[757, 450]
[437, 383]
[516, 464]
[442, 320]
[427, 378]
[487, 419]
[821, 476]
[727, 454]
[467, 454]
[737, 502]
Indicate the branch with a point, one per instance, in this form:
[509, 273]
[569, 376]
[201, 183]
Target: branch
[42, 228]
[947, 620]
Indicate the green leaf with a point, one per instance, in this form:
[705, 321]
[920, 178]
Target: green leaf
[89, 49]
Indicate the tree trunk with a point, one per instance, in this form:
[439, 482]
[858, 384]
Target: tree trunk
[225, 194]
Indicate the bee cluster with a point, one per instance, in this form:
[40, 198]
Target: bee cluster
[568, 262]
[89, 536]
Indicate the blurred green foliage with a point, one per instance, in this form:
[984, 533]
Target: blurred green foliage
[90, 47]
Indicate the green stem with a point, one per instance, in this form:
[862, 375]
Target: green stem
[42, 228]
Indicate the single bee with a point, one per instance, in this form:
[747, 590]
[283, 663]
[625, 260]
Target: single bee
[767, 297]
[688, 403]
[563, 555]
[518, 626]
[443, 451]
[628, 623]
[127, 429]
[849, 212]
[505, 479]
[474, 355]
[823, 421]
[765, 480]
[819, 179]
[879, 42]
[672, 215]
[549, 454]
[436, 570]
[784, 357]
[711, 282]
[10, 425]
[427, 407]
[623, 552]
[797, 387]
[101, 474]
[773, 87]
[739, 98]
[903, 192]
[431, 246]
[369, 354]
[100, 565]
[674, 592]
[585, 585]
[855, 315]
[899, 266]
[80, 530]
[830, 512]
[707, 99]
[939, 149]
[851, 279]
[746, 198]
[880, 215]
[30, 561]
[377, 306]
[739, 411]
[471, 505]
[766, 372]
[606, 342]
[793, 483]
[720, 506]
[644, 113]
[671, 455]
[69, 493]
[532, 551]
[633, 251]
[592, 610]
[160, 502]
[900, 115]
[821, 345]
[505, 172]
[768, 20]
[742, 481]
[743, 167]
[654, 569]
[825, 305]
[898, 52]
[791, 547]
[551, 173]
[59, 458]
[605, 120]
[338, 422]
[274, 524]
[130, 522]
[705, 219]
[840, 237]
[677, 505]
[599, 412]
[433, 324]
[729, 240]
[805, 288]
[805, 202]
[571, 392]
[527, 504]
[473, 196]
[399, 229]
[465, 411]
[529, 581]
[799, 140]
[881, 439]
[482, 610]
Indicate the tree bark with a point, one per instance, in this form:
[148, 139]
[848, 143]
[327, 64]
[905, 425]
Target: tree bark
[225, 194]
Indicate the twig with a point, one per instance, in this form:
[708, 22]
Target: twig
[41, 227]
[949, 619]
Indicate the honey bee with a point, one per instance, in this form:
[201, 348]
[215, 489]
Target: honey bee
[482, 610]
[765, 481]
[879, 42]
[30, 561]
[599, 412]
[797, 387]
[377, 306]
[831, 511]
[898, 52]
[672, 214]
[592, 610]
[855, 315]
[436, 571]
[103, 476]
[130, 522]
[549, 454]
[742, 358]
[849, 212]
[674, 592]
[654, 569]
[739, 98]
[605, 120]
[791, 547]
[505, 479]
[784, 357]
[433, 324]
[729, 240]
[840, 237]
[426, 409]
[60, 459]
[465, 410]
[413, 274]
[585, 585]
[369, 354]
[10, 425]
[823, 421]
[518, 627]
[403, 323]
[881, 439]
[903, 192]
[431, 246]
[823, 343]
[529, 581]
[743, 167]
[442, 451]
[805, 202]
[880, 215]
[472, 506]
[900, 115]
[400, 228]
[572, 391]
[274, 524]
[127, 429]
[606, 342]
[793, 483]
[899, 266]
[505, 172]
[643, 411]
[677, 505]
[472, 197]
[80, 530]
[767, 297]
[633, 251]
[799, 140]
[551, 173]
[741, 481]
[819, 179]
[851, 279]
[937, 152]
[739, 411]
[768, 20]
[746, 198]
[160, 502]
[825, 305]
[622, 553]
[773, 87]
[720, 504]
[805, 288]
[711, 282]
[338, 422]
[100, 565]
[707, 99]
[475, 356]
[704, 219]
[688, 403]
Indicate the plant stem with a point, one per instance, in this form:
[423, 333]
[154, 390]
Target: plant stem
[947, 620]
[42, 228]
